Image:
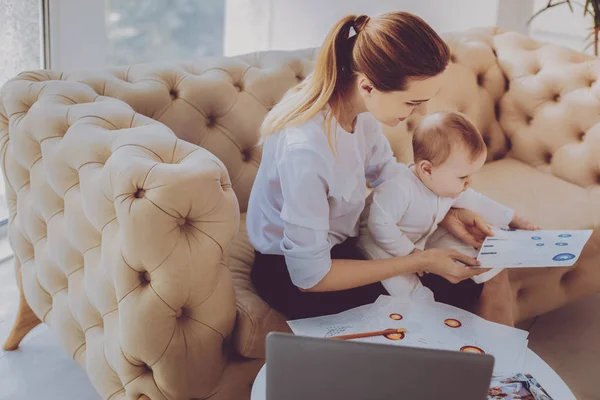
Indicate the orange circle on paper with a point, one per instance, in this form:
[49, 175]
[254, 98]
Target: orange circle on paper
[472, 349]
[395, 336]
[396, 317]
[452, 323]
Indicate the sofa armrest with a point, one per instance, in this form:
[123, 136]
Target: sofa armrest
[255, 318]
[121, 230]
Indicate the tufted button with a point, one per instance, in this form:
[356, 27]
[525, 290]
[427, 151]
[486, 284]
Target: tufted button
[182, 221]
[556, 98]
[299, 77]
[147, 368]
[535, 70]
[548, 157]
[453, 58]
[173, 93]
[145, 277]
[246, 156]
[210, 121]
[480, 79]
[521, 293]
[497, 110]
[528, 119]
[140, 193]
[486, 139]
[179, 313]
[581, 136]
[238, 87]
[565, 277]
[592, 82]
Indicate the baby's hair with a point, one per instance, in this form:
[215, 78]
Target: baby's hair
[440, 133]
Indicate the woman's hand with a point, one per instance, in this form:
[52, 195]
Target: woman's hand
[467, 226]
[443, 262]
[519, 222]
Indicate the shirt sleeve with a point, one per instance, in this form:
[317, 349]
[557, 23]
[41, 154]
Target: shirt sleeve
[305, 213]
[492, 212]
[381, 165]
[390, 202]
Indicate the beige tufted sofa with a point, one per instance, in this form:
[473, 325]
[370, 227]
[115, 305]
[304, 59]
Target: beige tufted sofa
[128, 188]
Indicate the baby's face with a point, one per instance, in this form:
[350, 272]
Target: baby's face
[453, 177]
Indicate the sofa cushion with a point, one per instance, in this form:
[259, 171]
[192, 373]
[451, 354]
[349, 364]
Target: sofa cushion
[552, 203]
[255, 318]
[549, 201]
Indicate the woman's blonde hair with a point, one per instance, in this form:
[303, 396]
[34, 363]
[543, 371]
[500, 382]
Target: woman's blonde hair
[387, 49]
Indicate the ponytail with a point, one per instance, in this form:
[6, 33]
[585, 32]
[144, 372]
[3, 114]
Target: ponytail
[323, 87]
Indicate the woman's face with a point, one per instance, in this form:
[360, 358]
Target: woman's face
[391, 108]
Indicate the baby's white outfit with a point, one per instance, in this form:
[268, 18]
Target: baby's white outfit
[403, 214]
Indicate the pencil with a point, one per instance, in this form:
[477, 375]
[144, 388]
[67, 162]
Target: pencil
[369, 334]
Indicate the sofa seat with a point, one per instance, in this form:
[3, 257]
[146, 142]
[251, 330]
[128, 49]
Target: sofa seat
[552, 203]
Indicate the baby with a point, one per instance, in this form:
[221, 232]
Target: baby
[402, 214]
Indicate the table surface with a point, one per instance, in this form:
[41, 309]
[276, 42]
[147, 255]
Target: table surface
[534, 365]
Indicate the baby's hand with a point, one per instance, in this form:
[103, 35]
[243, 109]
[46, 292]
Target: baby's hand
[519, 222]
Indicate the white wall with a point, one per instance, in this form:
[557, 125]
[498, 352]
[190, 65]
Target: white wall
[312, 19]
[291, 24]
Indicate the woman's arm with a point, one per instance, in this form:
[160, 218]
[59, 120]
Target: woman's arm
[348, 274]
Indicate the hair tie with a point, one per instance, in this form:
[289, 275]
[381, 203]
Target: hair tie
[360, 23]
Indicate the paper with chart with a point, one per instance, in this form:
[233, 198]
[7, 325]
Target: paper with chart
[543, 248]
[428, 325]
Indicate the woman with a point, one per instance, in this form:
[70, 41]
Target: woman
[319, 144]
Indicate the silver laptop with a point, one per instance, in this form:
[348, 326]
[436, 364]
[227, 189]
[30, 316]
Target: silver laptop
[302, 368]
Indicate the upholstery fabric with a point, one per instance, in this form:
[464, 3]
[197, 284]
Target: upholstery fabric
[126, 185]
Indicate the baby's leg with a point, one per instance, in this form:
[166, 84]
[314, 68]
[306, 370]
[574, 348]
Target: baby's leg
[398, 286]
[495, 302]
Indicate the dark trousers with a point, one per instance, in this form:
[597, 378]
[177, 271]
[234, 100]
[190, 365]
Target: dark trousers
[273, 283]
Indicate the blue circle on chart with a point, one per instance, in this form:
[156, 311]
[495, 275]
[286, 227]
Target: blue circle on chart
[562, 244]
[539, 244]
[564, 235]
[536, 238]
[563, 257]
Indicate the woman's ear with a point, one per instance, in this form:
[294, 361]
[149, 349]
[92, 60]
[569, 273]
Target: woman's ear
[365, 87]
[425, 167]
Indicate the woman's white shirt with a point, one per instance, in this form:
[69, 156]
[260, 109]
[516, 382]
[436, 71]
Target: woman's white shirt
[306, 199]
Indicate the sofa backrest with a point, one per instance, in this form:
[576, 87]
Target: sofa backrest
[531, 101]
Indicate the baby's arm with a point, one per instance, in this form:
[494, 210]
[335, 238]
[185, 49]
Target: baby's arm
[390, 202]
[492, 212]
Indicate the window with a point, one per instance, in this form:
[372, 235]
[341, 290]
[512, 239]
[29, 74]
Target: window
[156, 30]
[21, 49]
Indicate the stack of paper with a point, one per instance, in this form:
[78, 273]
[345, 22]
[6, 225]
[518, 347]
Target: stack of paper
[428, 325]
